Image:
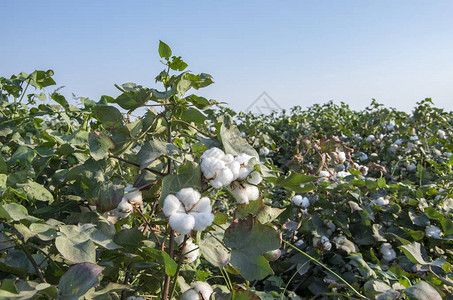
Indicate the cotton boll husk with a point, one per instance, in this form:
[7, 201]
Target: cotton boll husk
[255, 178]
[202, 220]
[188, 197]
[190, 294]
[202, 287]
[182, 223]
[171, 205]
[252, 192]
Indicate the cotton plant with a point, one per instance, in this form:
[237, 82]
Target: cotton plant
[322, 242]
[199, 291]
[187, 211]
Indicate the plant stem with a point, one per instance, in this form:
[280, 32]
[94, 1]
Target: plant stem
[33, 262]
[180, 261]
[137, 165]
[167, 277]
[327, 268]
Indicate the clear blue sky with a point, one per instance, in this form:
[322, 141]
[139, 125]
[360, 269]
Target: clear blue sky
[299, 52]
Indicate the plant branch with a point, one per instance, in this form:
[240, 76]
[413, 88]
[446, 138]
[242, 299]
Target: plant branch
[32, 260]
[166, 288]
[180, 260]
[137, 165]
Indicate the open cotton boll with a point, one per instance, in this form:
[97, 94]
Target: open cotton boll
[363, 170]
[388, 254]
[190, 250]
[440, 134]
[433, 231]
[264, 151]
[324, 242]
[342, 174]
[202, 206]
[391, 126]
[414, 138]
[188, 197]
[199, 291]
[341, 157]
[370, 138]
[300, 201]
[447, 154]
[182, 223]
[213, 152]
[210, 166]
[202, 220]
[125, 207]
[133, 195]
[190, 294]
[235, 167]
[381, 201]
[171, 205]
[255, 178]
[223, 178]
[243, 193]
[324, 174]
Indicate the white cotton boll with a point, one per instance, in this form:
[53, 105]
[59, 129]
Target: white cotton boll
[441, 134]
[388, 254]
[381, 201]
[447, 154]
[202, 206]
[125, 207]
[363, 157]
[171, 205]
[240, 194]
[134, 197]
[324, 174]
[202, 288]
[210, 166]
[433, 231]
[393, 148]
[370, 138]
[235, 169]
[252, 192]
[391, 126]
[135, 298]
[363, 170]
[341, 157]
[242, 133]
[299, 243]
[228, 158]
[190, 250]
[323, 241]
[244, 172]
[342, 174]
[182, 223]
[190, 294]
[255, 178]
[300, 201]
[411, 167]
[202, 220]
[414, 138]
[264, 151]
[188, 197]
[243, 158]
[223, 178]
[398, 142]
[213, 152]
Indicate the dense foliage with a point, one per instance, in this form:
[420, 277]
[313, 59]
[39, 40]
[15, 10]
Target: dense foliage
[160, 193]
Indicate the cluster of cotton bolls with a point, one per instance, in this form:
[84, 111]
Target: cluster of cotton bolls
[199, 290]
[131, 200]
[188, 211]
[388, 254]
[190, 251]
[223, 170]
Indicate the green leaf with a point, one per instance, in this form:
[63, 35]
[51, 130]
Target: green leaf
[189, 175]
[60, 99]
[422, 291]
[130, 239]
[76, 252]
[16, 212]
[249, 240]
[3, 166]
[169, 264]
[177, 63]
[212, 249]
[78, 280]
[44, 231]
[234, 143]
[265, 214]
[413, 251]
[154, 149]
[164, 50]
[109, 116]
[131, 100]
[100, 144]
[296, 182]
[40, 79]
[447, 226]
[193, 115]
[23, 155]
[36, 192]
